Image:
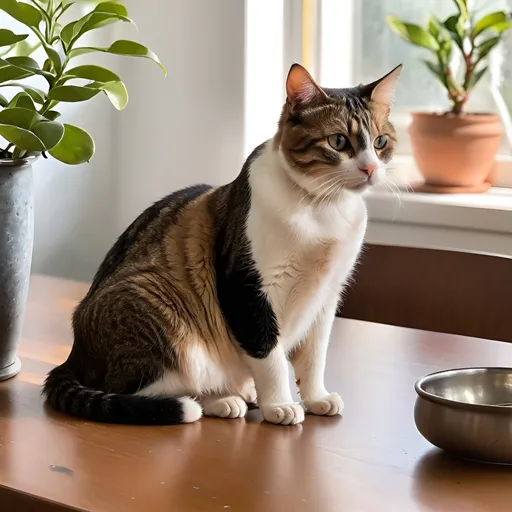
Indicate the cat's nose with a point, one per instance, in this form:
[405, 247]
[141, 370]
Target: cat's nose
[368, 169]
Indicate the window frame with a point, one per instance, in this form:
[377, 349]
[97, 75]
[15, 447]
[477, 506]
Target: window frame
[331, 23]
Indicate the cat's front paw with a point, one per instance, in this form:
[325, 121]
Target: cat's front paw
[283, 414]
[329, 405]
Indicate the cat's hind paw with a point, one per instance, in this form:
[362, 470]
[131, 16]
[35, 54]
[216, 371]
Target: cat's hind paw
[225, 407]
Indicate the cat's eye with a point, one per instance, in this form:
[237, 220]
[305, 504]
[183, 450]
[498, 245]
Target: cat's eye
[337, 141]
[380, 142]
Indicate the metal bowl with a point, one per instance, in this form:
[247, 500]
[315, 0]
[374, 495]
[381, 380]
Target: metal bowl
[468, 412]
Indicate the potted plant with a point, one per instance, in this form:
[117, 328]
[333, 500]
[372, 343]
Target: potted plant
[455, 150]
[30, 127]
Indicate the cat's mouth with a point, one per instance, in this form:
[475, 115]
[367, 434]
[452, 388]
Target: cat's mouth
[361, 186]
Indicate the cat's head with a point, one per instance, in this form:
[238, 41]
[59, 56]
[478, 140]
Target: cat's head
[336, 139]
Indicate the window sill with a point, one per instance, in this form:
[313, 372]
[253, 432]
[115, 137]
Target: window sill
[461, 222]
[491, 211]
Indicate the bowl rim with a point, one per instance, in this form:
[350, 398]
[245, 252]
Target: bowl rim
[503, 409]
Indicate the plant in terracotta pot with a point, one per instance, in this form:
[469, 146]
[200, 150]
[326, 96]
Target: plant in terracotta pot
[455, 150]
[30, 126]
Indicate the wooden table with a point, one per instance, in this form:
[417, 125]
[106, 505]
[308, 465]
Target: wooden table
[371, 460]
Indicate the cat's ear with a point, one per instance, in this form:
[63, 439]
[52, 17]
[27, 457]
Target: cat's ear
[300, 86]
[382, 90]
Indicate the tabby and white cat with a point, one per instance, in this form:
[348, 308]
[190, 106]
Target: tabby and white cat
[204, 299]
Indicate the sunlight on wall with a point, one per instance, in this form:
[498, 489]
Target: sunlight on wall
[264, 90]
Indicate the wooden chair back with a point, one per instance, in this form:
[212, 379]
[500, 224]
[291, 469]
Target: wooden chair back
[437, 290]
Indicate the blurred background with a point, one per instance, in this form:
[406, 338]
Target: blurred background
[227, 60]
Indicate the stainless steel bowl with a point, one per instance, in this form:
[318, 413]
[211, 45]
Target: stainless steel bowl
[468, 412]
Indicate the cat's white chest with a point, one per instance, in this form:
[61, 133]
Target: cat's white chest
[303, 256]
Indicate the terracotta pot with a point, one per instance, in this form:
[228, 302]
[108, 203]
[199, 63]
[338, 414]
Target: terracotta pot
[455, 151]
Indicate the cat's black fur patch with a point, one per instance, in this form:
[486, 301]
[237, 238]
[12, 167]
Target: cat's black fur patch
[66, 394]
[174, 203]
[246, 308]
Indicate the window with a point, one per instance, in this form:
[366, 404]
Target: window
[354, 44]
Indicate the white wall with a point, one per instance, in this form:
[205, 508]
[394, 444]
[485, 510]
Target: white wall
[184, 129]
[72, 203]
[189, 127]
[72, 225]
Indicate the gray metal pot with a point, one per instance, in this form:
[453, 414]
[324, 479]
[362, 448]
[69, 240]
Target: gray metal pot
[16, 241]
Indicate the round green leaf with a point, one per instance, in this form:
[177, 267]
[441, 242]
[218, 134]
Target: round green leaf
[20, 117]
[20, 137]
[26, 64]
[10, 72]
[23, 100]
[112, 7]
[36, 94]
[116, 93]
[8, 37]
[49, 132]
[96, 73]
[75, 147]
[72, 93]
[51, 115]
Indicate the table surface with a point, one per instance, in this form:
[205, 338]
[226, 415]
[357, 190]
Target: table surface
[371, 459]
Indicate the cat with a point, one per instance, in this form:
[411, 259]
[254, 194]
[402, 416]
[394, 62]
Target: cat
[207, 295]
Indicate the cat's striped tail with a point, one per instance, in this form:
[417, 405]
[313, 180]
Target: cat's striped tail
[65, 393]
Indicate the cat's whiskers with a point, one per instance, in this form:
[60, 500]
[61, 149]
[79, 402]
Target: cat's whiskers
[319, 191]
[308, 194]
[326, 194]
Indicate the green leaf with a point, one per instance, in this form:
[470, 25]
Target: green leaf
[89, 72]
[485, 48]
[23, 61]
[489, 21]
[413, 33]
[475, 77]
[76, 146]
[20, 117]
[454, 26]
[23, 100]
[25, 13]
[437, 71]
[434, 26]
[21, 138]
[15, 126]
[36, 94]
[54, 56]
[122, 47]
[8, 38]
[116, 93]
[112, 7]
[3, 101]
[463, 9]
[73, 93]
[94, 20]
[49, 132]
[51, 115]
[26, 64]
[13, 73]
